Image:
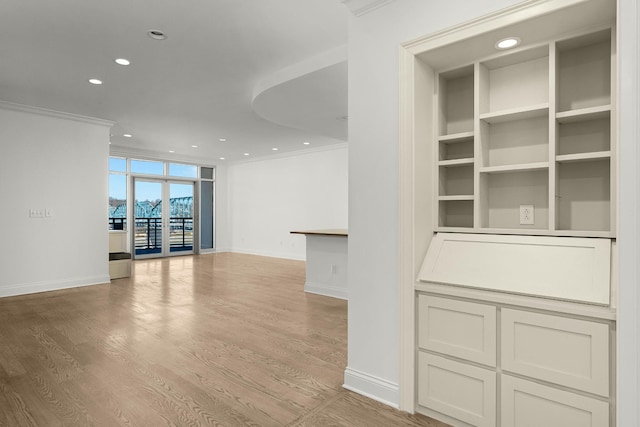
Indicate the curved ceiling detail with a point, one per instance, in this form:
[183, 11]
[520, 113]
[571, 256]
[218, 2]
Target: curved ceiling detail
[311, 95]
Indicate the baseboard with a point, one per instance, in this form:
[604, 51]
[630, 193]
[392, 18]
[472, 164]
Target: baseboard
[372, 387]
[32, 288]
[326, 290]
[284, 255]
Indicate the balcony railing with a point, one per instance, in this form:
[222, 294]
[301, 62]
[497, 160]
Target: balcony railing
[148, 234]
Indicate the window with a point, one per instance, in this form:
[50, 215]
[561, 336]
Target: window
[117, 164]
[117, 201]
[146, 167]
[186, 171]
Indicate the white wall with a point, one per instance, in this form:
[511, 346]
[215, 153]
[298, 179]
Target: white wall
[374, 39]
[269, 198]
[58, 164]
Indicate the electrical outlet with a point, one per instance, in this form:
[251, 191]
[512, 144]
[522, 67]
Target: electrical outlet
[36, 213]
[526, 215]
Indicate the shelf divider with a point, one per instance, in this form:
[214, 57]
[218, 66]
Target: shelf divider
[583, 114]
[456, 162]
[515, 168]
[582, 157]
[456, 137]
[516, 114]
[458, 197]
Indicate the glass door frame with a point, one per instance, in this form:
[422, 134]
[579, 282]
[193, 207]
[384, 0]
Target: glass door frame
[165, 217]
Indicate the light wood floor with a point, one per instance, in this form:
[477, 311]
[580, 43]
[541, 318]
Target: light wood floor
[224, 340]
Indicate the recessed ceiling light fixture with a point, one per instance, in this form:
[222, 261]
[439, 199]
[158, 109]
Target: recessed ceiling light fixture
[122, 61]
[306, 143]
[194, 146]
[508, 43]
[156, 35]
[127, 135]
[172, 151]
[274, 149]
[223, 140]
[221, 158]
[246, 154]
[95, 81]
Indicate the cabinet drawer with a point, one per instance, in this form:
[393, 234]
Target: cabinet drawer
[461, 391]
[528, 404]
[570, 352]
[458, 328]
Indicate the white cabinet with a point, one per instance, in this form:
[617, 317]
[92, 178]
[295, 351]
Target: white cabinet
[564, 351]
[462, 329]
[528, 404]
[462, 391]
[531, 127]
[552, 370]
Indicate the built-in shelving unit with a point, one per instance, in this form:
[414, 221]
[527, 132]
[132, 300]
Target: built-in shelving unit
[531, 127]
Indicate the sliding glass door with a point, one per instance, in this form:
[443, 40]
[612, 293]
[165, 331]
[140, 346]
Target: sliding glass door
[164, 223]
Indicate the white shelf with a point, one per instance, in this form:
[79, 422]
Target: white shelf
[456, 137]
[582, 157]
[515, 168]
[584, 114]
[513, 114]
[456, 162]
[460, 197]
[543, 134]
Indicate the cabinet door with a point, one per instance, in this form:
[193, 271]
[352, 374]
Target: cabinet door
[461, 391]
[458, 328]
[528, 404]
[570, 352]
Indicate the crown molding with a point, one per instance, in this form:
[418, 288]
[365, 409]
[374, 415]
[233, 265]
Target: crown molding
[53, 113]
[362, 7]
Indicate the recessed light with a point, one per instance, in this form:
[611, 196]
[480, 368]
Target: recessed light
[172, 151]
[127, 135]
[306, 143]
[274, 149]
[508, 43]
[221, 158]
[95, 81]
[194, 146]
[122, 61]
[246, 154]
[223, 140]
[156, 34]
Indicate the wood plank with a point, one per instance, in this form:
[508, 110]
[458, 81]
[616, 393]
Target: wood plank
[224, 339]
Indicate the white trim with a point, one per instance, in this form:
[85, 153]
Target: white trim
[372, 387]
[362, 7]
[508, 16]
[326, 290]
[628, 352]
[32, 288]
[53, 113]
[406, 232]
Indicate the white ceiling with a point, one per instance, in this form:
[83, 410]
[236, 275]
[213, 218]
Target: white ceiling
[221, 58]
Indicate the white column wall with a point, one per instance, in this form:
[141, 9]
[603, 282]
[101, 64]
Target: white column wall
[58, 164]
[374, 40]
[269, 198]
